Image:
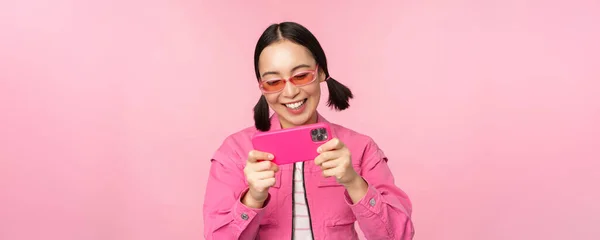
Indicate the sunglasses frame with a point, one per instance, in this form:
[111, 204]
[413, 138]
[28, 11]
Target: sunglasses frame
[289, 80]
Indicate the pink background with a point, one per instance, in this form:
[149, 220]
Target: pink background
[488, 110]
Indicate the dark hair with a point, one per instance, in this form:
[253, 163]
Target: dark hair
[339, 95]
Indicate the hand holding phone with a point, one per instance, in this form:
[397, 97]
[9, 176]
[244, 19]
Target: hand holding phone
[260, 175]
[295, 144]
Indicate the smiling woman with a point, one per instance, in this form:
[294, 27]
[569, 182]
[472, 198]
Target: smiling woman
[278, 54]
[349, 181]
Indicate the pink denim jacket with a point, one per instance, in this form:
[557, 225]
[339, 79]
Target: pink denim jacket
[384, 213]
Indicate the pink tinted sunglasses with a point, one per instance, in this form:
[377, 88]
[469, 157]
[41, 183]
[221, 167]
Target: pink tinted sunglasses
[298, 79]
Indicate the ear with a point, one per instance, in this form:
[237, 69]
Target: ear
[322, 76]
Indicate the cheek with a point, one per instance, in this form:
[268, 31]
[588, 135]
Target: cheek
[313, 91]
[272, 99]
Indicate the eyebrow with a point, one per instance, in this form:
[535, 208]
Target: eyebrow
[293, 69]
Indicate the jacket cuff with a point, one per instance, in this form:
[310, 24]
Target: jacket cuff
[244, 215]
[370, 204]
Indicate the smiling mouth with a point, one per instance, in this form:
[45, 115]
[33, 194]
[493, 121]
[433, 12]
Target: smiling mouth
[295, 105]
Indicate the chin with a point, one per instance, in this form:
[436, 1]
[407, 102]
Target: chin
[296, 119]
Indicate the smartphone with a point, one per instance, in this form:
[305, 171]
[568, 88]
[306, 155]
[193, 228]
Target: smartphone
[293, 145]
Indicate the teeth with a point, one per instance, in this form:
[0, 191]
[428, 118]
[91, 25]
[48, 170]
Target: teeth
[295, 105]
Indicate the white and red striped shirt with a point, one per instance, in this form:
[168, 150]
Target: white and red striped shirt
[302, 228]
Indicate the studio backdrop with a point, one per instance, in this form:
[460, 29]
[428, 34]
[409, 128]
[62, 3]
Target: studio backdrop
[489, 111]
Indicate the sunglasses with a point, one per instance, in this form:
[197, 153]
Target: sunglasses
[298, 79]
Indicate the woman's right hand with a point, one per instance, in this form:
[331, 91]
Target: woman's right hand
[260, 175]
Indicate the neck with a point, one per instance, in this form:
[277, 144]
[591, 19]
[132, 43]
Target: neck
[286, 124]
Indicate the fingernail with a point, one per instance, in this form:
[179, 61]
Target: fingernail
[319, 150]
[271, 156]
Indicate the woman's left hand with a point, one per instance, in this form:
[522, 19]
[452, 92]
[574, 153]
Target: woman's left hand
[335, 160]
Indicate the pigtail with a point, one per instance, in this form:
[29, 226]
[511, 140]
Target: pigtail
[261, 115]
[339, 95]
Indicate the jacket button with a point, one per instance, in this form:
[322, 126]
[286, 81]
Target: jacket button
[244, 216]
[372, 202]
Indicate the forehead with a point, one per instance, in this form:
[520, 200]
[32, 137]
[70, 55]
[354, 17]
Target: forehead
[284, 55]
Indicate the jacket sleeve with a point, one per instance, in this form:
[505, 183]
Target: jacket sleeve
[225, 217]
[385, 211]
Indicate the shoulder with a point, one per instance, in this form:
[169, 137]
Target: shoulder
[359, 144]
[240, 137]
[235, 146]
[344, 133]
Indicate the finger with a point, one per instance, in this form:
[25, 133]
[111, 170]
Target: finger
[263, 175]
[274, 167]
[261, 166]
[264, 184]
[254, 156]
[332, 144]
[326, 156]
[330, 164]
[332, 172]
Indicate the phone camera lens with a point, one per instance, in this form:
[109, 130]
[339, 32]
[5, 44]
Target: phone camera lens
[320, 137]
[323, 131]
[314, 132]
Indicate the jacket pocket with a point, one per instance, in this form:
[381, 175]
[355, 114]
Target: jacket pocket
[277, 180]
[269, 219]
[343, 220]
[342, 228]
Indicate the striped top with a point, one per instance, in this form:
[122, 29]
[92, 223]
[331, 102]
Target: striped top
[302, 228]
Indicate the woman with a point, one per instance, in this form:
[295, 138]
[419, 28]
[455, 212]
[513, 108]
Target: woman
[249, 197]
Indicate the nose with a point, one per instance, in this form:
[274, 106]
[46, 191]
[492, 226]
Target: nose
[290, 90]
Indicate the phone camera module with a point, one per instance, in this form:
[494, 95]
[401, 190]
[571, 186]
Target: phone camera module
[323, 131]
[318, 134]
